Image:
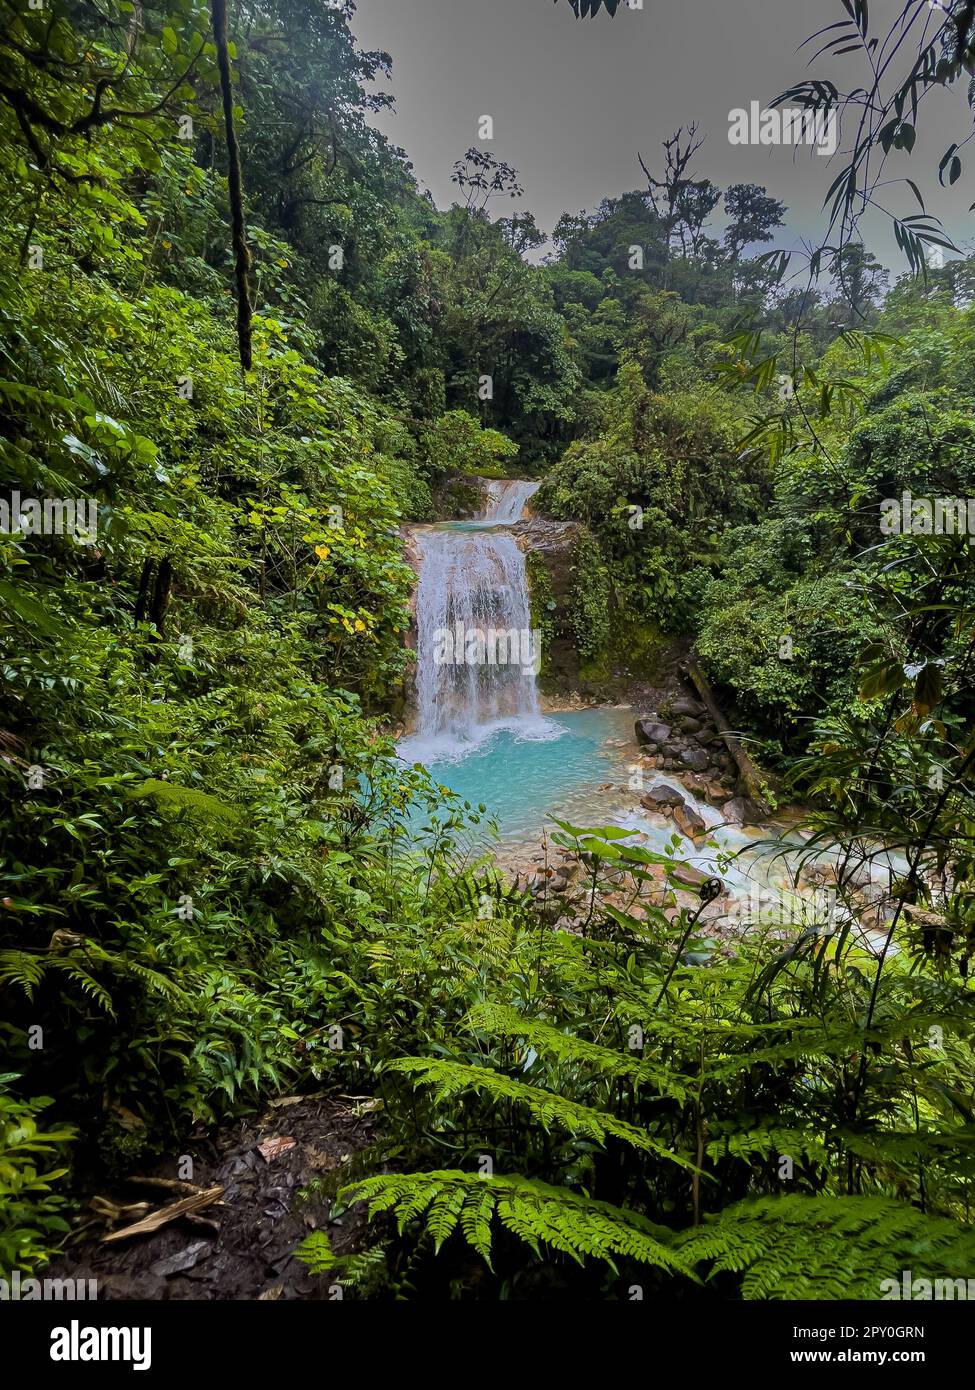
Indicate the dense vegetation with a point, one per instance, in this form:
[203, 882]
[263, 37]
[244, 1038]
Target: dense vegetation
[211, 858]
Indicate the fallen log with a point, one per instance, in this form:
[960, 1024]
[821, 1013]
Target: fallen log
[752, 781]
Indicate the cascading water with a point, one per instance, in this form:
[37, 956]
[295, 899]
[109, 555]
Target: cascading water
[505, 502]
[475, 648]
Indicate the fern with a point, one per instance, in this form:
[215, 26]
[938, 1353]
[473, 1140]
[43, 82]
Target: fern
[827, 1247]
[22, 969]
[565, 1048]
[452, 1078]
[199, 804]
[541, 1216]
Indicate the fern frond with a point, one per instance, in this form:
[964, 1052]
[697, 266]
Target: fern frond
[565, 1048]
[22, 969]
[540, 1215]
[201, 805]
[798, 1247]
[451, 1078]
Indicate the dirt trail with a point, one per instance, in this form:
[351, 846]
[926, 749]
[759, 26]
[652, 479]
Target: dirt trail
[242, 1248]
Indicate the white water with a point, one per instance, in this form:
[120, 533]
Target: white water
[505, 502]
[472, 579]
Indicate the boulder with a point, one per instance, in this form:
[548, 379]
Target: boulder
[708, 734]
[671, 749]
[689, 822]
[689, 725]
[651, 731]
[741, 811]
[695, 758]
[661, 798]
[687, 875]
[696, 784]
[685, 705]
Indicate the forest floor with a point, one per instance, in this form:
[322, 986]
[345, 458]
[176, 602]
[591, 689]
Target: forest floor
[242, 1245]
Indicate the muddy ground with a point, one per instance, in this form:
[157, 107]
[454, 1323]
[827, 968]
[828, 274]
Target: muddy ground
[242, 1246]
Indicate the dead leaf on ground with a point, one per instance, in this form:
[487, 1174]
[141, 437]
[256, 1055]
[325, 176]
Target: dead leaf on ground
[280, 1102]
[270, 1149]
[159, 1218]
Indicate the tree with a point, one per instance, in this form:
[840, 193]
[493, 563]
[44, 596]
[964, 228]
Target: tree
[860, 282]
[753, 216]
[682, 204]
[483, 177]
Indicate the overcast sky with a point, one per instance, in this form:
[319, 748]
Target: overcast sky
[573, 101]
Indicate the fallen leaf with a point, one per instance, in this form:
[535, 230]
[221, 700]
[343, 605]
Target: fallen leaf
[164, 1215]
[270, 1149]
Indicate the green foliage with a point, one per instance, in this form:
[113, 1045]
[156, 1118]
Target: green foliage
[222, 859]
[32, 1213]
[589, 598]
[826, 1248]
[539, 1215]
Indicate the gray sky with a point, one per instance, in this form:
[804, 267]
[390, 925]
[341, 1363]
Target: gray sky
[574, 101]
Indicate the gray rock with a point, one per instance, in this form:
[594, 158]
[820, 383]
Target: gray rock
[708, 734]
[695, 758]
[651, 731]
[660, 798]
[685, 705]
[182, 1260]
[741, 811]
[687, 875]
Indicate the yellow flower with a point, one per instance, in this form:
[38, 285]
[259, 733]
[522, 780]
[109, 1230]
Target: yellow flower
[322, 552]
[359, 625]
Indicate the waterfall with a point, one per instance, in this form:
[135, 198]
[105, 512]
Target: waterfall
[506, 501]
[475, 649]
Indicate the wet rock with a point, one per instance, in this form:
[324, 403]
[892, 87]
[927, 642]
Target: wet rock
[689, 822]
[684, 705]
[817, 873]
[696, 784]
[696, 759]
[651, 731]
[688, 724]
[661, 798]
[740, 810]
[708, 734]
[687, 875]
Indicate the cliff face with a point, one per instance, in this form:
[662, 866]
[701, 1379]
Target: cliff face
[569, 599]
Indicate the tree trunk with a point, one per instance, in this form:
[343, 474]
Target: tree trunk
[242, 259]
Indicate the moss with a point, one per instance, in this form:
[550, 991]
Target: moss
[544, 608]
[589, 599]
